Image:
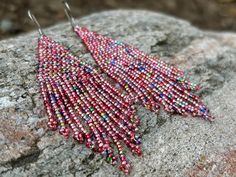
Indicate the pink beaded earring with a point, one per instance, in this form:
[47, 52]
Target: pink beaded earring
[80, 103]
[148, 79]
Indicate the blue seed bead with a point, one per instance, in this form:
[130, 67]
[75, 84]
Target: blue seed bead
[203, 109]
[141, 68]
[161, 95]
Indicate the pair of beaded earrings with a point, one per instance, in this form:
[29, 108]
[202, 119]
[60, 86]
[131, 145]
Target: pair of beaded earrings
[81, 103]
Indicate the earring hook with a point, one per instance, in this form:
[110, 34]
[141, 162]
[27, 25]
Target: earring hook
[67, 10]
[32, 17]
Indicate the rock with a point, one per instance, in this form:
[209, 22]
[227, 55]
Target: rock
[6, 25]
[172, 145]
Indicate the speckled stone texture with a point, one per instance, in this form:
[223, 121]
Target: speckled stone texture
[172, 146]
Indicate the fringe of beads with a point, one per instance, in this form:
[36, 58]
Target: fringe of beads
[145, 78]
[81, 104]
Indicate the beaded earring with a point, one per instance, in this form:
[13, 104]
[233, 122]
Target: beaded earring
[81, 104]
[145, 78]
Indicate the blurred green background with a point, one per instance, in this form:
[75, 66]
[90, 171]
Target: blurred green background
[207, 14]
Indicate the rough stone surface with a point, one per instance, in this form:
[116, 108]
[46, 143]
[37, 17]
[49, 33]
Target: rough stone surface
[172, 145]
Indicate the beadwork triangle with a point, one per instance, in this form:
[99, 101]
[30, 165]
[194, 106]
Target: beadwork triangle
[82, 105]
[145, 78]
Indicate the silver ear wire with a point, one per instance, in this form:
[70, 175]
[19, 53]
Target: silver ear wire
[68, 13]
[32, 17]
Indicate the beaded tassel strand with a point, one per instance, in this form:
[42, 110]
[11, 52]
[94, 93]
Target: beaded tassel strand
[80, 103]
[145, 78]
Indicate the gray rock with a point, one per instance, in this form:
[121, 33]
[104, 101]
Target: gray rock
[6, 25]
[172, 145]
